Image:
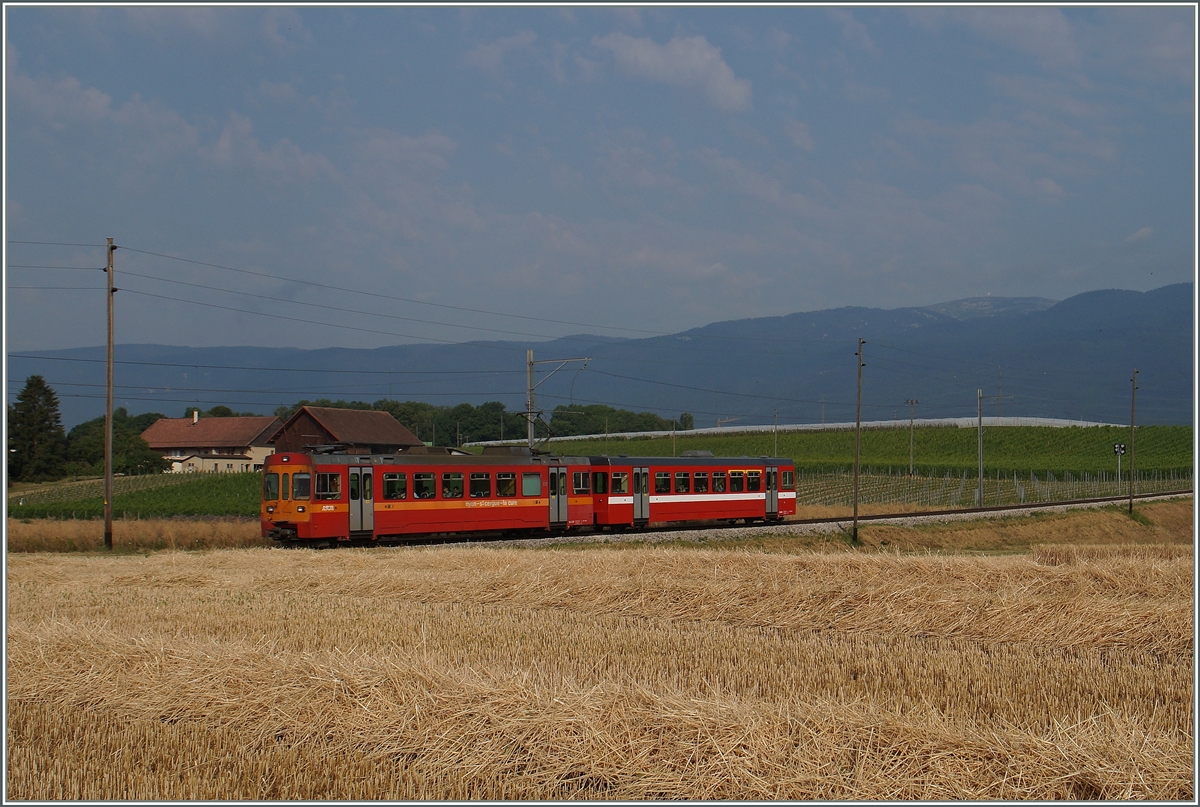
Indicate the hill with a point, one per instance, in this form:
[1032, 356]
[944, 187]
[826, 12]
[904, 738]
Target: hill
[1072, 359]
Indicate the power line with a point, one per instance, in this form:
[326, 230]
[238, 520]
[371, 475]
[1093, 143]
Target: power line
[42, 266]
[57, 244]
[355, 311]
[271, 369]
[392, 297]
[308, 321]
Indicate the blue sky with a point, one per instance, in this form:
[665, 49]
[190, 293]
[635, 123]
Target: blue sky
[645, 170]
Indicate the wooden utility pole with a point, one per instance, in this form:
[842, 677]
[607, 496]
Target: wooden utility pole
[857, 436]
[1132, 432]
[108, 411]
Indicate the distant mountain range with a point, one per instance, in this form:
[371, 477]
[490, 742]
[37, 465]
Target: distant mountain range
[1071, 359]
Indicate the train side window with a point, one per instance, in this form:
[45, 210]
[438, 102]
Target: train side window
[329, 487]
[754, 480]
[424, 486]
[452, 486]
[579, 483]
[787, 480]
[718, 481]
[701, 485]
[395, 486]
[662, 481]
[368, 489]
[620, 483]
[481, 486]
[301, 484]
[285, 495]
[531, 484]
[506, 485]
[683, 482]
[271, 487]
[737, 481]
[353, 487]
[599, 482]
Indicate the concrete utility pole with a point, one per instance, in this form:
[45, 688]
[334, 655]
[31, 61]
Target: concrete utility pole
[108, 412]
[857, 436]
[530, 398]
[979, 394]
[911, 403]
[1132, 432]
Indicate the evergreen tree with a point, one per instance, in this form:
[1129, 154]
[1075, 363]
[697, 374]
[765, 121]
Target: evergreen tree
[37, 445]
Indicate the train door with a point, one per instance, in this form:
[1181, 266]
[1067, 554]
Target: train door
[772, 473]
[362, 501]
[558, 497]
[641, 495]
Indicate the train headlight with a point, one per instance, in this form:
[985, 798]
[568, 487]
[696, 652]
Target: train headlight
[300, 509]
[270, 508]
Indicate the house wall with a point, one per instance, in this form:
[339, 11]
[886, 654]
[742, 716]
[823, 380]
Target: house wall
[301, 432]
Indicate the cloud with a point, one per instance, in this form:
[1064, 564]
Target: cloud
[490, 57]
[1044, 33]
[797, 132]
[1140, 235]
[853, 31]
[147, 129]
[688, 62]
[237, 148]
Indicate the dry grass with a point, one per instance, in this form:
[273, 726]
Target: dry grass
[613, 673]
[142, 535]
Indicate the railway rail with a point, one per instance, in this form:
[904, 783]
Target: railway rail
[665, 532]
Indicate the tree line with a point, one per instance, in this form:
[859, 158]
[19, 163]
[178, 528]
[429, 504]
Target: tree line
[40, 450]
[466, 423]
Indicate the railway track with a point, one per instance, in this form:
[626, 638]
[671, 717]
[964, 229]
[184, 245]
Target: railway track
[789, 524]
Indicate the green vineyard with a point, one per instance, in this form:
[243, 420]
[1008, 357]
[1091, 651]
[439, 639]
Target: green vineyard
[1021, 465]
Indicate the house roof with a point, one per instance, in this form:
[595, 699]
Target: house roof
[210, 432]
[356, 426]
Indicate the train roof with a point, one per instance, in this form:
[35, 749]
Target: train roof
[537, 460]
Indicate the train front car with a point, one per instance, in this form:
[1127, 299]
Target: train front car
[286, 513]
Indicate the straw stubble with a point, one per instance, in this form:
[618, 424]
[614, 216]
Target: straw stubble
[488, 673]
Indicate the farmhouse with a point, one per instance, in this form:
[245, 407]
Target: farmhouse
[355, 431]
[224, 445]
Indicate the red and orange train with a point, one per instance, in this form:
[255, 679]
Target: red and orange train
[323, 499]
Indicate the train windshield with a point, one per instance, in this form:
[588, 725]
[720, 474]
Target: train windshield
[271, 487]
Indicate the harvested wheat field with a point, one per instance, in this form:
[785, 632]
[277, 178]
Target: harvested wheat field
[602, 672]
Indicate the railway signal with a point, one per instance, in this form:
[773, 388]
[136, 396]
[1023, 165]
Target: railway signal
[1119, 449]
